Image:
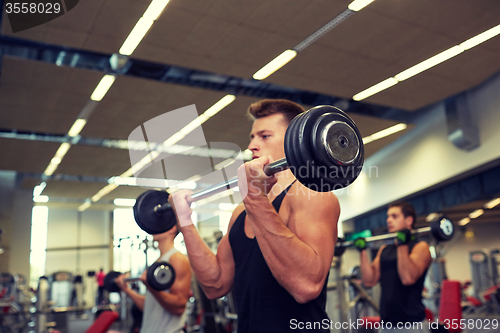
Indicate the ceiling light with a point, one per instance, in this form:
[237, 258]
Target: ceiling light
[431, 62]
[224, 163]
[41, 198]
[431, 217]
[476, 213]
[37, 190]
[357, 5]
[194, 178]
[179, 135]
[105, 190]
[144, 162]
[55, 160]
[84, 206]
[275, 64]
[103, 87]
[50, 169]
[155, 8]
[464, 221]
[492, 203]
[124, 202]
[482, 37]
[375, 89]
[77, 127]
[63, 149]
[136, 35]
[384, 133]
[221, 104]
[212, 111]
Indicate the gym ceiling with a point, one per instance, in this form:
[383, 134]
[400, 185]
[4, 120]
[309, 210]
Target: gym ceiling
[211, 42]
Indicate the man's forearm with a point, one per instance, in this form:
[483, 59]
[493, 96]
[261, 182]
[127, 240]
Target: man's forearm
[137, 298]
[367, 271]
[203, 261]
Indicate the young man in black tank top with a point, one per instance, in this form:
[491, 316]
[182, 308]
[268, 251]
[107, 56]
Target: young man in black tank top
[277, 252]
[401, 270]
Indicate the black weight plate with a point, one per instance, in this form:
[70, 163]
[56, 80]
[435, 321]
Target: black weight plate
[160, 275]
[136, 214]
[109, 282]
[291, 139]
[339, 249]
[335, 140]
[315, 176]
[442, 229]
[343, 163]
[147, 219]
[299, 165]
[293, 154]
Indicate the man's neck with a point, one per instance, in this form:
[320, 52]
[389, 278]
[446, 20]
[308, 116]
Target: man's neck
[165, 246]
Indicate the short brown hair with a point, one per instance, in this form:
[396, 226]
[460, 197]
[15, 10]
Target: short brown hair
[268, 107]
[407, 209]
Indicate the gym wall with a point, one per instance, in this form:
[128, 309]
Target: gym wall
[64, 232]
[424, 156]
[15, 223]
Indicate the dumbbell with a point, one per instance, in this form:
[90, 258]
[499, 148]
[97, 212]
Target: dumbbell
[160, 276]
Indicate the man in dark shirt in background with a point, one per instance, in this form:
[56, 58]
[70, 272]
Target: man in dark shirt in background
[401, 270]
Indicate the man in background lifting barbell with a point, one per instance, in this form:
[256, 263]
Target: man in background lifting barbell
[277, 252]
[163, 311]
[401, 270]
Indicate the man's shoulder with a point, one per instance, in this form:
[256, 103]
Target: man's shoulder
[301, 195]
[179, 260]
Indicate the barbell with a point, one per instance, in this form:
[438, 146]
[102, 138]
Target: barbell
[441, 229]
[160, 276]
[323, 149]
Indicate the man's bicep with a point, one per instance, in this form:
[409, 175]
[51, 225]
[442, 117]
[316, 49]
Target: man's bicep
[315, 224]
[421, 257]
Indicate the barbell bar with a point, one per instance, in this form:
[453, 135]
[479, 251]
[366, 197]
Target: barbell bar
[269, 170]
[323, 149]
[160, 276]
[441, 229]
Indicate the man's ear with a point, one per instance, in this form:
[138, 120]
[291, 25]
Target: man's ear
[409, 222]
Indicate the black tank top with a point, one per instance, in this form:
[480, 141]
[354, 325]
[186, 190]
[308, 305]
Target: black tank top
[262, 304]
[399, 303]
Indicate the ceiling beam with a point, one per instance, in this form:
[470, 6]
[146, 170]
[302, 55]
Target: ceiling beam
[83, 59]
[130, 145]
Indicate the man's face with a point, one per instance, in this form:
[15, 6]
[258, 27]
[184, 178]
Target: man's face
[396, 220]
[267, 137]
